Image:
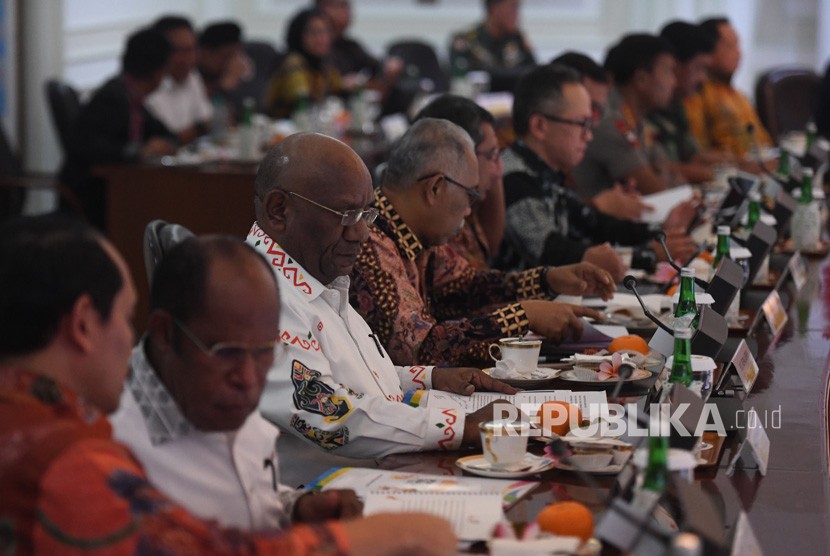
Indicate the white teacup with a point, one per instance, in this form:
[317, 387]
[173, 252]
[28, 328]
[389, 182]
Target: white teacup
[521, 353]
[626, 255]
[504, 443]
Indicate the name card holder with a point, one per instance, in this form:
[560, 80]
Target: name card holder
[774, 313]
[798, 270]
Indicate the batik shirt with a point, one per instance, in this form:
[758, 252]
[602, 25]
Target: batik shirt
[476, 49]
[547, 223]
[471, 243]
[718, 116]
[335, 386]
[232, 477]
[66, 487]
[430, 304]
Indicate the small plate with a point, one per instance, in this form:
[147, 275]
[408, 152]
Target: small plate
[528, 383]
[477, 465]
[612, 469]
[576, 375]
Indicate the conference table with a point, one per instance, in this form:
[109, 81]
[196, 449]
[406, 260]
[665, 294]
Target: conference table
[788, 509]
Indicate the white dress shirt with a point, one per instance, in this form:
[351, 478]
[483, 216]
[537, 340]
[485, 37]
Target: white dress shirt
[232, 477]
[180, 105]
[334, 385]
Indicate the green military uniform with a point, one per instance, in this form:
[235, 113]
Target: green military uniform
[476, 49]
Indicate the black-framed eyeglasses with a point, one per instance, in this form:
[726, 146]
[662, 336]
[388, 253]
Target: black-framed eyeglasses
[587, 124]
[347, 217]
[234, 352]
[492, 155]
[473, 194]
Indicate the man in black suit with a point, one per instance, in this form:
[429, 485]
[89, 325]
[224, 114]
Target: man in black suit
[114, 126]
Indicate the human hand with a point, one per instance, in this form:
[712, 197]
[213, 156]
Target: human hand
[404, 534]
[240, 68]
[582, 278]
[621, 203]
[466, 380]
[557, 321]
[683, 214]
[681, 246]
[328, 504]
[605, 257]
[472, 434]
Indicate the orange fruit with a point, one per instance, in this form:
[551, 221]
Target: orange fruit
[672, 290]
[706, 256]
[570, 519]
[556, 417]
[631, 342]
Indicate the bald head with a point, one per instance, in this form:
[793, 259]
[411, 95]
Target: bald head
[303, 186]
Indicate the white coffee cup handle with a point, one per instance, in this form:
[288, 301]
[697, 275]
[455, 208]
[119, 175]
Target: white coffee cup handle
[490, 350]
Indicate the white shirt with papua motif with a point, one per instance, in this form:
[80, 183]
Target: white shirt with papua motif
[334, 385]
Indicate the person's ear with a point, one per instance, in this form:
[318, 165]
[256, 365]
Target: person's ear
[81, 324]
[536, 126]
[642, 79]
[275, 205]
[161, 330]
[430, 190]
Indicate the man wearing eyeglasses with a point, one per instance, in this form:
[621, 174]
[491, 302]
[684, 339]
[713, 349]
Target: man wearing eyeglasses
[547, 223]
[195, 383]
[424, 301]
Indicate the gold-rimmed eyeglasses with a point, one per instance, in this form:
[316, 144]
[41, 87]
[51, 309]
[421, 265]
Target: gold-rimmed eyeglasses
[347, 217]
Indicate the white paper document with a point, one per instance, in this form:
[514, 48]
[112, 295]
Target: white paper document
[589, 402]
[664, 201]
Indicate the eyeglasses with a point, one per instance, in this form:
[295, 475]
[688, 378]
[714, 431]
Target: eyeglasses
[587, 124]
[347, 218]
[492, 155]
[232, 352]
[473, 194]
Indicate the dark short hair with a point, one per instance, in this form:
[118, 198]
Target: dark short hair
[179, 281]
[637, 51]
[461, 111]
[219, 34]
[711, 26]
[490, 3]
[537, 90]
[296, 28]
[167, 23]
[47, 262]
[147, 52]
[687, 40]
[582, 63]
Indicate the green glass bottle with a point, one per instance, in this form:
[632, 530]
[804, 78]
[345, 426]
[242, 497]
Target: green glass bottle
[656, 477]
[722, 250]
[686, 303]
[805, 226]
[783, 170]
[754, 211]
[811, 131]
[681, 368]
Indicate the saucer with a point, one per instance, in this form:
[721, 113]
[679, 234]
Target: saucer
[478, 465]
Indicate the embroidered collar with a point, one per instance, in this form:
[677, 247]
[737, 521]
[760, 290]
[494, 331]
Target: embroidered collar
[394, 227]
[165, 421]
[291, 273]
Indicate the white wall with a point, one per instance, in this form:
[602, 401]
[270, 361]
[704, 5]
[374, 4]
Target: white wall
[80, 40]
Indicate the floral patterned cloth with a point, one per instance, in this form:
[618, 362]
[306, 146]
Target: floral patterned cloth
[471, 244]
[430, 305]
[66, 487]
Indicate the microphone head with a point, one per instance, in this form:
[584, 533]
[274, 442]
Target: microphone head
[750, 128]
[625, 371]
[660, 235]
[629, 282]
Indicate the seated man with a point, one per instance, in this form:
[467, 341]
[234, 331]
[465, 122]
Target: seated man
[480, 237]
[546, 222]
[496, 46]
[185, 401]
[66, 302]
[181, 101]
[335, 387]
[622, 200]
[222, 60]
[114, 126]
[719, 114]
[424, 301]
[642, 67]
[692, 49]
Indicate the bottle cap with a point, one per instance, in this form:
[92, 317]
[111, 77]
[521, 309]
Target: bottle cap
[807, 172]
[687, 271]
[724, 230]
[755, 196]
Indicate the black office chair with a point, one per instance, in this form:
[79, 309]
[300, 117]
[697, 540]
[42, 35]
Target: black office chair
[421, 67]
[159, 238]
[786, 99]
[266, 60]
[64, 106]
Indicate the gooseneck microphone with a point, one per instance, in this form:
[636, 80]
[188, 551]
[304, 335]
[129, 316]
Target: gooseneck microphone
[630, 284]
[623, 373]
[661, 238]
[787, 185]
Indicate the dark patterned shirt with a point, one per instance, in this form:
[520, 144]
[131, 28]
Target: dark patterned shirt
[430, 305]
